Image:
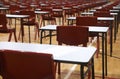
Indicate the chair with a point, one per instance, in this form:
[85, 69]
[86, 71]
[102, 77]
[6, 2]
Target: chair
[30, 22]
[104, 22]
[48, 16]
[14, 8]
[89, 21]
[68, 11]
[5, 29]
[72, 35]
[26, 65]
[103, 14]
[58, 13]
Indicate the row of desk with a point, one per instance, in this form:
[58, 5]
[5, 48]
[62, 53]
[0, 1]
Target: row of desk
[102, 30]
[72, 19]
[96, 29]
[63, 54]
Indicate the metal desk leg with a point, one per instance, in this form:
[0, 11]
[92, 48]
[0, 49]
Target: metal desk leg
[15, 25]
[115, 28]
[41, 36]
[22, 29]
[102, 55]
[93, 72]
[50, 32]
[29, 34]
[82, 71]
[111, 39]
[106, 54]
[68, 22]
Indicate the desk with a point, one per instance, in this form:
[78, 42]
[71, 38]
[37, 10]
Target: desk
[57, 10]
[58, 13]
[41, 13]
[21, 18]
[91, 13]
[4, 9]
[116, 7]
[34, 6]
[100, 19]
[64, 54]
[97, 29]
[114, 13]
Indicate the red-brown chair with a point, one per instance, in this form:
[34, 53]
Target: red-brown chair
[104, 22]
[30, 22]
[59, 14]
[6, 29]
[48, 17]
[72, 35]
[68, 11]
[103, 14]
[14, 8]
[26, 65]
[89, 21]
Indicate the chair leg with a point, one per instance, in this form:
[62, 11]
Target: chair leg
[19, 34]
[89, 74]
[10, 36]
[36, 30]
[29, 34]
[35, 34]
[98, 46]
[55, 64]
[54, 21]
[41, 23]
[62, 20]
[15, 36]
[59, 68]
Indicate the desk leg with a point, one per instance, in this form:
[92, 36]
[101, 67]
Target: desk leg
[106, 53]
[15, 25]
[115, 28]
[68, 22]
[117, 22]
[111, 38]
[102, 55]
[93, 72]
[82, 71]
[29, 34]
[41, 36]
[50, 32]
[22, 30]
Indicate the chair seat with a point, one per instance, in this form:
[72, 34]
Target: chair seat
[8, 30]
[93, 34]
[104, 23]
[28, 23]
[48, 18]
[58, 15]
